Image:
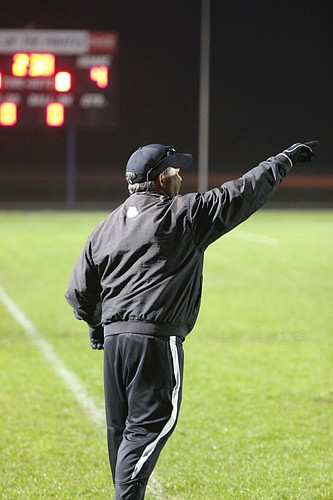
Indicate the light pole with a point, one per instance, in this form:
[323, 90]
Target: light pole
[203, 142]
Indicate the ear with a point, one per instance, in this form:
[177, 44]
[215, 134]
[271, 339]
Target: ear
[161, 180]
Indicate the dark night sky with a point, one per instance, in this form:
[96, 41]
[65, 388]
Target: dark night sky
[271, 74]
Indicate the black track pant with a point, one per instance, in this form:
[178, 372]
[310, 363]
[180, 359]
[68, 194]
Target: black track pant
[143, 387]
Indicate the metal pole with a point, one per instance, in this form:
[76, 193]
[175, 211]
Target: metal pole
[203, 153]
[71, 167]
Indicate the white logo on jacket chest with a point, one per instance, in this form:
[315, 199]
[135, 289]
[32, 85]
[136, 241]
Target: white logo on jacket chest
[132, 212]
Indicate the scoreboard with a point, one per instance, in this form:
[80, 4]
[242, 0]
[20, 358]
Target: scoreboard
[58, 78]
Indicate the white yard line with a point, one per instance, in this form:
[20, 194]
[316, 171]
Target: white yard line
[72, 382]
[255, 238]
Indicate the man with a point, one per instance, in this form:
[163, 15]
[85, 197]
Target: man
[137, 283]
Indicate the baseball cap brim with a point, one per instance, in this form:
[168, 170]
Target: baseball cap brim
[180, 160]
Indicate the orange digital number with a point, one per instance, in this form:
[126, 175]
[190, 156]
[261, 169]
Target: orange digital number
[55, 114]
[100, 75]
[8, 114]
[62, 81]
[41, 65]
[33, 64]
[20, 64]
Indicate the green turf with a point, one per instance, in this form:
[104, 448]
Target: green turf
[257, 412]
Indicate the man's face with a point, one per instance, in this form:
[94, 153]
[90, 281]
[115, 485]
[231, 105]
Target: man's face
[171, 181]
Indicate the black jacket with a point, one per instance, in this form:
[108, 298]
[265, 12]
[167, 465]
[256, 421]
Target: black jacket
[141, 269]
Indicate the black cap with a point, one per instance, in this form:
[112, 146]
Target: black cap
[149, 161]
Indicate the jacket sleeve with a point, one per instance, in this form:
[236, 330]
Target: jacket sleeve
[84, 289]
[219, 210]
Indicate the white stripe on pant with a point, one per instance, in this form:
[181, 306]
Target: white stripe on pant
[171, 422]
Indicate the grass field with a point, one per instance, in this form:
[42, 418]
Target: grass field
[257, 412]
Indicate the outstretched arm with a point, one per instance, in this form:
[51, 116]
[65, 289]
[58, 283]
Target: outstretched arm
[219, 210]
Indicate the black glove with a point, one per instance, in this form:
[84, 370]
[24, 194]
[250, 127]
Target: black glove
[96, 337]
[301, 152]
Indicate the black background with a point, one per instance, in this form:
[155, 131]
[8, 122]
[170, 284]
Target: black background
[271, 81]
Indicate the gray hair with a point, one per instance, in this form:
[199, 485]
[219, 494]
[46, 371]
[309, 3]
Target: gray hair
[137, 187]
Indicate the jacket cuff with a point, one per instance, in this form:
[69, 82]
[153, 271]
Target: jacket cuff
[96, 332]
[285, 161]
